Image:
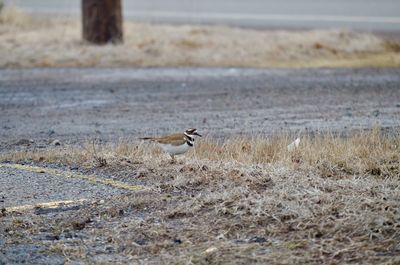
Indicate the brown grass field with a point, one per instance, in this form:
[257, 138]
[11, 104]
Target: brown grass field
[242, 200]
[31, 41]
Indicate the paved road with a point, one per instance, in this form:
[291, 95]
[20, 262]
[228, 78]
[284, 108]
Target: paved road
[24, 188]
[369, 15]
[76, 104]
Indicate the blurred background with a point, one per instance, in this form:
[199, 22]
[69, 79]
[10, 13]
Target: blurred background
[366, 15]
[209, 33]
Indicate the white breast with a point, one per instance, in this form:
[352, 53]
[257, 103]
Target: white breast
[175, 149]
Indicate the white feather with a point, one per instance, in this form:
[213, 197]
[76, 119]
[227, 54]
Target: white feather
[175, 149]
[293, 145]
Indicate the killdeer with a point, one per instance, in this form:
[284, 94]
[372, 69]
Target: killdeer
[177, 143]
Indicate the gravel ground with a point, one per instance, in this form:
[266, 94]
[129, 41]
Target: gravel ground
[26, 189]
[74, 105]
[21, 187]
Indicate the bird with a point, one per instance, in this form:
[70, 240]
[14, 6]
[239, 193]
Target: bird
[177, 143]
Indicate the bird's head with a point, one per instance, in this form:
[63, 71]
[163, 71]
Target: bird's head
[192, 132]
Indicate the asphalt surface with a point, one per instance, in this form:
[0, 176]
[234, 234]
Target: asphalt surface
[366, 15]
[22, 188]
[74, 105]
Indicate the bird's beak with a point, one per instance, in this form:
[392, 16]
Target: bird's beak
[196, 133]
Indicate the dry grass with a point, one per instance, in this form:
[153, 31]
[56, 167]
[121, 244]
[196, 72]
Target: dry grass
[29, 41]
[364, 152]
[245, 200]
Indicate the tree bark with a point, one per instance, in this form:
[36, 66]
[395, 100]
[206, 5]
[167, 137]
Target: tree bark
[102, 21]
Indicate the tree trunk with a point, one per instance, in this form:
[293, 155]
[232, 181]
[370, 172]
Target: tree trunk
[102, 21]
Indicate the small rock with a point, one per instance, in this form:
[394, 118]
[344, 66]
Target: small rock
[68, 235]
[220, 237]
[177, 241]
[52, 237]
[25, 142]
[257, 239]
[376, 113]
[263, 251]
[79, 225]
[51, 132]
[56, 142]
[109, 249]
[211, 249]
[140, 242]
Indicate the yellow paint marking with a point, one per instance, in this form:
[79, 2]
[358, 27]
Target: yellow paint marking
[50, 205]
[68, 174]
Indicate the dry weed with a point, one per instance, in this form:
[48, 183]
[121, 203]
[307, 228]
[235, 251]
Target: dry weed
[30, 41]
[239, 201]
[363, 153]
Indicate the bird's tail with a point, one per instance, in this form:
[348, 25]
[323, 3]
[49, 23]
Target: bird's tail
[147, 138]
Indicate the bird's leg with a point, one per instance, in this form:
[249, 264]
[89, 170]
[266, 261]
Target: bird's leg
[173, 161]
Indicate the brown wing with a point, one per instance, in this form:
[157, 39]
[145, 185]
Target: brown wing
[173, 139]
